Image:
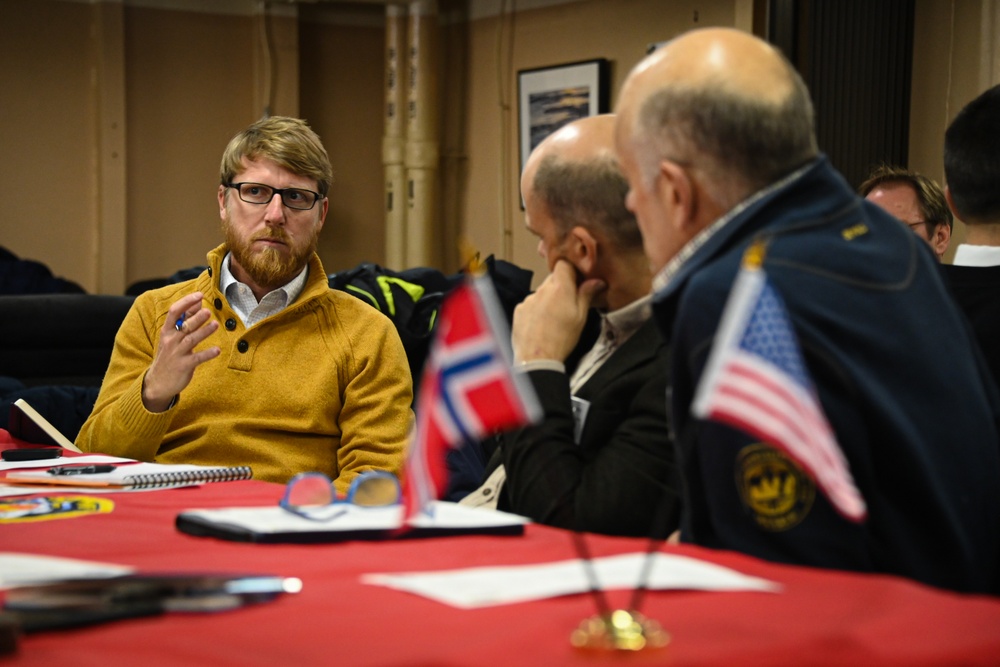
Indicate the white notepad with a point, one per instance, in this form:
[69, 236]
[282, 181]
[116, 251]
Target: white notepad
[134, 476]
[273, 524]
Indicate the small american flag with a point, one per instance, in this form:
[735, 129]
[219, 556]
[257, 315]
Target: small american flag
[756, 381]
[468, 390]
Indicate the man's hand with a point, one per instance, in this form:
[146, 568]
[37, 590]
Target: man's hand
[548, 323]
[175, 360]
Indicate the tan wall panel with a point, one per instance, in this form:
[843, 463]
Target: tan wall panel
[544, 37]
[946, 41]
[189, 80]
[47, 134]
[189, 85]
[341, 87]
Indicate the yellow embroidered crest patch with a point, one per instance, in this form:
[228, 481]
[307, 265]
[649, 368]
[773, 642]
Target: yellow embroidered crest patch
[775, 490]
[21, 510]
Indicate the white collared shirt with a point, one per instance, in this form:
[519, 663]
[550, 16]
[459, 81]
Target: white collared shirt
[616, 328]
[243, 301]
[976, 255]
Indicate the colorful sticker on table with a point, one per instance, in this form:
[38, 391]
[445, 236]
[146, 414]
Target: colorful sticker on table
[21, 510]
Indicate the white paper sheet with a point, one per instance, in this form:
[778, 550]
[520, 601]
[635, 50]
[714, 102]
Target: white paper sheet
[20, 569]
[11, 490]
[88, 459]
[472, 588]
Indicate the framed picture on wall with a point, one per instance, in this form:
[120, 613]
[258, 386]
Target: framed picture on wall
[550, 97]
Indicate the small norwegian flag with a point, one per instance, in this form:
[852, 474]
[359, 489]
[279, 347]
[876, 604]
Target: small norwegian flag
[468, 389]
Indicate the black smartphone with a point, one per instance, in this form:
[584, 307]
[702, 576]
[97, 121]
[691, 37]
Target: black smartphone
[31, 454]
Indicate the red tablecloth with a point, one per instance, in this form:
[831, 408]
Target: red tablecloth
[820, 618]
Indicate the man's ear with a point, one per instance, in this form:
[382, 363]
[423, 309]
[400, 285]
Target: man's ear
[222, 201]
[581, 249]
[678, 195]
[940, 238]
[324, 209]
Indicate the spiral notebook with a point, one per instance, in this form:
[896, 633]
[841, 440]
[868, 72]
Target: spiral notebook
[134, 476]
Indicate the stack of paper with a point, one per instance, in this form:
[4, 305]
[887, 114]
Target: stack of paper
[476, 587]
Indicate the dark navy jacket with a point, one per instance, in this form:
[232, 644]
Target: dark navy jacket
[908, 397]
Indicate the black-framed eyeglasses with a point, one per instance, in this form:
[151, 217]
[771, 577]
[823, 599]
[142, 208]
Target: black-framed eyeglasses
[311, 495]
[258, 193]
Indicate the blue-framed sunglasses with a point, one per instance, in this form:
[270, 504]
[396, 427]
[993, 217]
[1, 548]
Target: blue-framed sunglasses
[311, 495]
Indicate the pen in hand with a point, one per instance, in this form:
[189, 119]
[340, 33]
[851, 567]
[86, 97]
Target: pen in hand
[80, 470]
[179, 324]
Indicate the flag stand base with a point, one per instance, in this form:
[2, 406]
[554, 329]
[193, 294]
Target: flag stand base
[619, 631]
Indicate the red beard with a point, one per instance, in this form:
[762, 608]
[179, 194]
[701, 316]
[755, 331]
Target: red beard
[270, 267]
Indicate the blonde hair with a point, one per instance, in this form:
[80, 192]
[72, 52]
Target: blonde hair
[289, 142]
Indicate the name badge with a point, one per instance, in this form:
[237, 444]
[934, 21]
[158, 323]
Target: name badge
[580, 409]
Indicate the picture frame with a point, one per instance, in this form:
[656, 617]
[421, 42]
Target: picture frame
[550, 97]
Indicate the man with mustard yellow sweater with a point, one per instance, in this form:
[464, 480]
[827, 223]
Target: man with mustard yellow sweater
[257, 361]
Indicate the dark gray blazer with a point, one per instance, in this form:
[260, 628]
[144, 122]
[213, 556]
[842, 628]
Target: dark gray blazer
[621, 479]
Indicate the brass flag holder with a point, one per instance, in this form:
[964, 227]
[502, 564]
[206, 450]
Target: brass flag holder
[628, 629]
[618, 629]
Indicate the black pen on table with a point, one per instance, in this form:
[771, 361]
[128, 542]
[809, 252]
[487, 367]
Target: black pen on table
[81, 470]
